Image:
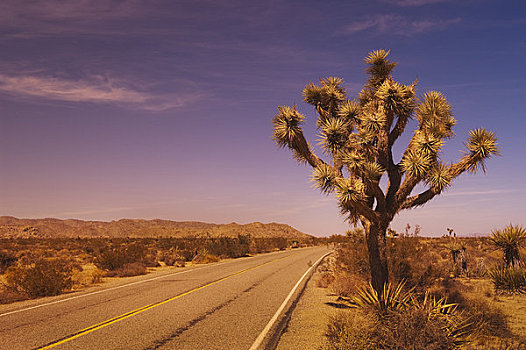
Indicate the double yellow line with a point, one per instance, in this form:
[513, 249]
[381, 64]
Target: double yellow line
[116, 319]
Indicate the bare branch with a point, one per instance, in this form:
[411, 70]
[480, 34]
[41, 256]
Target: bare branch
[420, 199]
[374, 189]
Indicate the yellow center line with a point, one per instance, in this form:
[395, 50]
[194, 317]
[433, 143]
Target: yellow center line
[124, 316]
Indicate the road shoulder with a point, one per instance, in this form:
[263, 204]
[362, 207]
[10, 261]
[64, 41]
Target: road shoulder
[308, 323]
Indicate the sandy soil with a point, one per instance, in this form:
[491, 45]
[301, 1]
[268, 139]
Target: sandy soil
[309, 319]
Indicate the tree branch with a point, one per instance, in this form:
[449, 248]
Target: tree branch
[365, 211]
[303, 151]
[398, 129]
[420, 199]
[378, 194]
[395, 178]
[405, 190]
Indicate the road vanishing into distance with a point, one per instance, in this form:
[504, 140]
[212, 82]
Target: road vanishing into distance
[235, 304]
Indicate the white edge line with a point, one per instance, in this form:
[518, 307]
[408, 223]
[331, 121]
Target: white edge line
[270, 323]
[108, 289]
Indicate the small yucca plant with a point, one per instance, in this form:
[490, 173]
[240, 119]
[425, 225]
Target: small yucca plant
[393, 298]
[511, 279]
[455, 327]
[509, 240]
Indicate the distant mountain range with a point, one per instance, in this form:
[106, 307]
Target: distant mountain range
[54, 228]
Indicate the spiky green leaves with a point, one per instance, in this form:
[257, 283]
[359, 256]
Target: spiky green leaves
[427, 144]
[416, 163]
[482, 143]
[349, 111]
[372, 171]
[333, 134]
[352, 159]
[373, 122]
[324, 178]
[392, 298]
[397, 98]
[509, 239]
[439, 177]
[511, 235]
[435, 115]
[287, 125]
[349, 191]
[330, 91]
[379, 67]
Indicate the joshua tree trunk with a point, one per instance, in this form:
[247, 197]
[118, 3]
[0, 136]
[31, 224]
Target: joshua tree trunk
[376, 236]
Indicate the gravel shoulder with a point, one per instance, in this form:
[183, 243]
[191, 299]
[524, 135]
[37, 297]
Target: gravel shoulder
[308, 323]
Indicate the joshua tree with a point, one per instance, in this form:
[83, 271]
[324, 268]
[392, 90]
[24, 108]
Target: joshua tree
[357, 137]
[509, 240]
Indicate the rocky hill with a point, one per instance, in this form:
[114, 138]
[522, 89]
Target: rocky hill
[51, 228]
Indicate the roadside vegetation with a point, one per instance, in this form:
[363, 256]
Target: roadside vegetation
[444, 293]
[37, 267]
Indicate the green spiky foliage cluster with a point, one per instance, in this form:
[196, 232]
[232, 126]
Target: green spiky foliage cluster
[357, 137]
[395, 299]
[509, 239]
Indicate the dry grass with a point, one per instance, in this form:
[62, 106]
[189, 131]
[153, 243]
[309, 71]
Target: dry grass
[498, 321]
[128, 270]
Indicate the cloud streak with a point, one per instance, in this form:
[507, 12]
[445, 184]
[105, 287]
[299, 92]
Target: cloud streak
[480, 193]
[97, 89]
[399, 25]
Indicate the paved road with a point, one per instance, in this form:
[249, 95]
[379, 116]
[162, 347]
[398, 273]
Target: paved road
[217, 306]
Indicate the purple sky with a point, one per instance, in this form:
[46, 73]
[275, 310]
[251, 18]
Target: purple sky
[162, 109]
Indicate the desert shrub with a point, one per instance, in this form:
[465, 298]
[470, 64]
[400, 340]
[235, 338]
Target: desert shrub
[6, 259]
[115, 257]
[480, 269]
[128, 270]
[229, 247]
[406, 329]
[350, 331]
[86, 277]
[96, 276]
[412, 328]
[173, 257]
[111, 259]
[406, 319]
[204, 257]
[44, 277]
[509, 279]
[9, 295]
[344, 284]
[488, 320]
[352, 257]
[411, 261]
[325, 280]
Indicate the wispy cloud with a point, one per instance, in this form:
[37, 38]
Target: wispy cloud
[69, 214]
[59, 9]
[399, 25]
[405, 3]
[479, 193]
[96, 89]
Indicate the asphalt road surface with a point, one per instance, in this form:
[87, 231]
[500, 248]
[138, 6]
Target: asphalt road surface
[226, 305]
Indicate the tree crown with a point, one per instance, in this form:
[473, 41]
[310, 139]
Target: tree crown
[357, 136]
